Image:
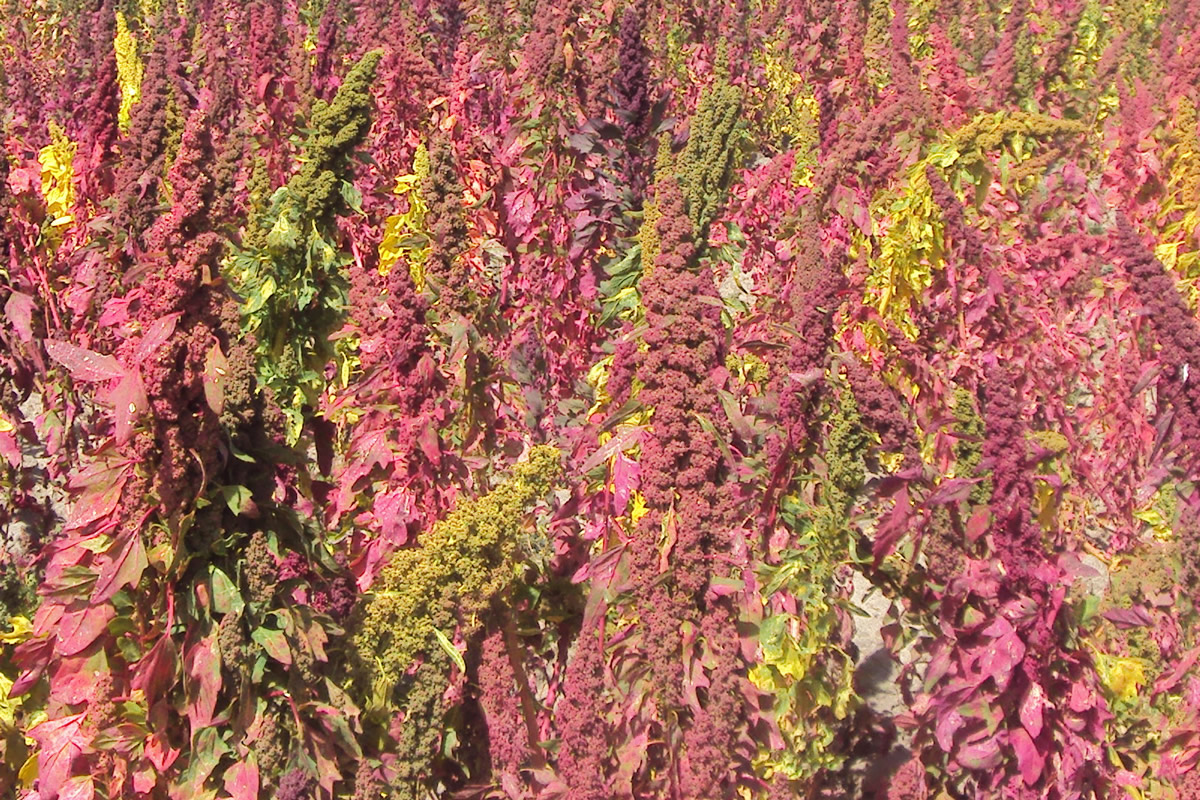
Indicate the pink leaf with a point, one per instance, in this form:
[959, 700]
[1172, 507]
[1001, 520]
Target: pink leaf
[19, 310]
[893, 528]
[393, 511]
[156, 334]
[81, 625]
[124, 565]
[160, 753]
[156, 671]
[430, 446]
[948, 725]
[1126, 618]
[1029, 760]
[980, 755]
[216, 368]
[84, 365]
[96, 505]
[59, 742]
[204, 670]
[241, 781]
[144, 780]
[625, 480]
[129, 401]
[1031, 709]
[977, 525]
[80, 788]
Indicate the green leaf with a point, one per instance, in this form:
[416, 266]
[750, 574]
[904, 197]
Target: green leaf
[451, 650]
[236, 497]
[353, 198]
[275, 643]
[226, 597]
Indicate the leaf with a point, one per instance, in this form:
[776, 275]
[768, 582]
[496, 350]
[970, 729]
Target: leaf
[451, 650]
[1031, 708]
[352, 198]
[19, 310]
[82, 623]
[1003, 654]
[204, 669]
[980, 755]
[242, 781]
[95, 506]
[216, 370]
[124, 566]
[129, 401]
[155, 673]
[156, 335]
[1126, 618]
[274, 642]
[83, 364]
[237, 498]
[59, 742]
[978, 524]
[622, 440]
[1029, 760]
[226, 597]
[78, 788]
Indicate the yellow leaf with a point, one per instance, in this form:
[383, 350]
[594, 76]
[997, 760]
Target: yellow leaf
[22, 629]
[639, 508]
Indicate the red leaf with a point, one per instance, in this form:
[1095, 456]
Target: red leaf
[204, 669]
[980, 755]
[156, 334]
[124, 565]
[216, 368]
[155, 673]
[1031, 709]
[80, 788]
[81, 625]
[129, 401]
[19, 310]
[241, 780]
[96, 505]
[59, 742]
[84, 365]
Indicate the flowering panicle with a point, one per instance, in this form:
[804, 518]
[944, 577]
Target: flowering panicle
[290, 274]
[446, 270]
[508, 737]
[142, 165]
[583, 754]
[631, 90]
[1177, 332]
[711, 155]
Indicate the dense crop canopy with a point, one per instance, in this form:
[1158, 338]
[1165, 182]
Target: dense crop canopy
[590, 399]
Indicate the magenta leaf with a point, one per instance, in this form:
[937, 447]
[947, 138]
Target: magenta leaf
[1030, 761]
[83, 364]
[242, 781]
[60, 741]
